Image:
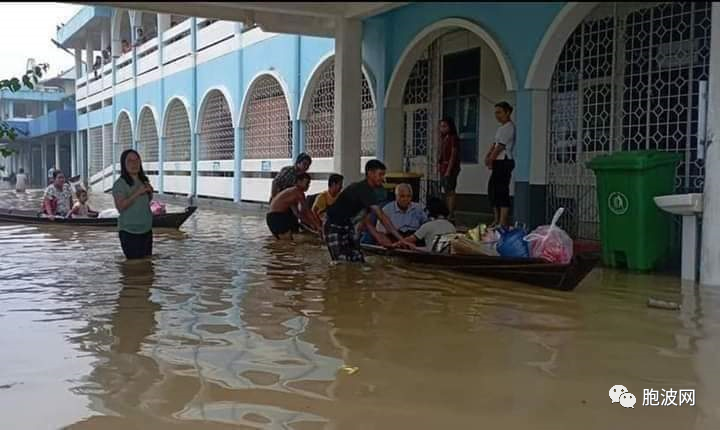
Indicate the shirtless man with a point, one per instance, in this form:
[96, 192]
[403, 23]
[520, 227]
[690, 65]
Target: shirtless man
[285, 206]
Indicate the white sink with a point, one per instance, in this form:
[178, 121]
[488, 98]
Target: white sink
[681, 204]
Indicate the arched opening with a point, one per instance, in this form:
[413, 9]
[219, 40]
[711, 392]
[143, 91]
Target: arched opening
[267, 123]
[95, 148]
[177, 132]
[176, 148]
[452, 69]
[123, 135]
[628, 78]
[148, 141]
[216, 129]
[319, 114]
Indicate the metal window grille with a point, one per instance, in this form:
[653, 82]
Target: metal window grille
[421, 109]
[124, 136]
[320, 123]
[107, 145]
[95, 148]
[148, 141]
[268, 128]
[216, 137]
[628, 78]
[177, 133]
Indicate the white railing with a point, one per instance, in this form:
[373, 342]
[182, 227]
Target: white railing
[81, 82]
[148, 56]
[214, 33]
[107, 76]
[175, 31]
[124, 68]
[176, 42]
[96, 85]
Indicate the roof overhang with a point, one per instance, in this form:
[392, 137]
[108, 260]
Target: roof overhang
[306, 18]
[88, 22]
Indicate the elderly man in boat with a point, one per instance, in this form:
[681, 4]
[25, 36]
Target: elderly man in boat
[406, 215]
[57, 200]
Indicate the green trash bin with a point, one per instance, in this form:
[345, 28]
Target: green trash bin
[633, 230]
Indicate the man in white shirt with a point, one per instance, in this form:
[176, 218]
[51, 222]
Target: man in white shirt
[21, 181]
[500, 160]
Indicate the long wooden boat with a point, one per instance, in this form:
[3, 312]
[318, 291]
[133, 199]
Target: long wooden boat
[530, 271]
[17, 216]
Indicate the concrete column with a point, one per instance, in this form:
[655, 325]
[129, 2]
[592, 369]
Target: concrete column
[348, 82]
[57, 153]
[104, 38]
[193, 110]
[78, 63]
[73, 155]
[43, 163]
[89, 51]
[161, 165]
[163, 24]
[45, 108]
[238, 155]
[11, 109]
[709, 267]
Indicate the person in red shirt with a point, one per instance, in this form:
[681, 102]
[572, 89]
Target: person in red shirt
[449, 162]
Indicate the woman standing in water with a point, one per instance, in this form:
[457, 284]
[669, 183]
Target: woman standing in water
[132, 193]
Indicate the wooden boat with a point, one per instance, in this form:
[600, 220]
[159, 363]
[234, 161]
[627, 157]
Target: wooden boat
[530, 271]
[17, 216]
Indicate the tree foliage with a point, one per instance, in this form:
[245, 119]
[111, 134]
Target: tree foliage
[28, 80]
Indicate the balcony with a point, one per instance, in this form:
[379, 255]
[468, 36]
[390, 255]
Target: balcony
[58, 121]
[214, 33]
[148, 56]
[176, 42]
[123, 68]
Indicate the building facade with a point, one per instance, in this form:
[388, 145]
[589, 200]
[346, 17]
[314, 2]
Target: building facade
[44, 120]
[217, 108]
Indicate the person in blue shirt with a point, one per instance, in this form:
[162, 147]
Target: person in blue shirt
[406, 215]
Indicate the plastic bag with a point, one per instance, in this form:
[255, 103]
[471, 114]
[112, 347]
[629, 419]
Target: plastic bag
[550, 242]
[512, 243]
[109, 213]
[157, 208]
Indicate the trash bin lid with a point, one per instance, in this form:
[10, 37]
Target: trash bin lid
[633, 160]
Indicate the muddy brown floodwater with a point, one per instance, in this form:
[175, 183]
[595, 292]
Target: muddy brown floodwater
[225, 328]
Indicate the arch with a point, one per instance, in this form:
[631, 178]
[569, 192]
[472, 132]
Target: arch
[253, 81]
[216, 134]
[123, 134]
[177, 130]
[406, 62]
[548, 52]
[266, 120]
[147, 134]
[228, 98]
[317, 109]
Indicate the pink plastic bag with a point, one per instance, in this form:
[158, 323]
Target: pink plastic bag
[157, 208]
[550, 242]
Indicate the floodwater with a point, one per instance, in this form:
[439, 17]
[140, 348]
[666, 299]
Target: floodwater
[225, 328]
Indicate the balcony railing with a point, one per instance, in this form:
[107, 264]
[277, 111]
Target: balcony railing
[123, 67]
[148, 56]
[214, 33]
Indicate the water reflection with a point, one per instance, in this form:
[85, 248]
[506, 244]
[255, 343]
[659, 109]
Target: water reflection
[227, 328]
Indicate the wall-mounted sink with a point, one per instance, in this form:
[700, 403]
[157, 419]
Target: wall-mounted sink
[681, 204]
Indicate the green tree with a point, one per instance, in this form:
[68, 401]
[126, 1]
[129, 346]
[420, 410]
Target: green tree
[29, 80]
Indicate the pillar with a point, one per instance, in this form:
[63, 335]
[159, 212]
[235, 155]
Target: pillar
[348, 83]
[104, 38]
[78, 64]
[193, 110]
[238, 154]
[73, 155]
[43, 163]
[529, 176]
[11, 109]
[709, 267]
[57, 153]
[45, 108]
[161, 164]
[89, 60]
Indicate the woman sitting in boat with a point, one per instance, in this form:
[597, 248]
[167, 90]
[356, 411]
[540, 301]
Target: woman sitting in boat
[433, 230]
[81, 208]
[58, 197]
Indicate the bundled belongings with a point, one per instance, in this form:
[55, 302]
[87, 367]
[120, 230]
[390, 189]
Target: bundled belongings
[550, 242]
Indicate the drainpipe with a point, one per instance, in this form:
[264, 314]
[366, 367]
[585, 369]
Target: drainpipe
[194, 135]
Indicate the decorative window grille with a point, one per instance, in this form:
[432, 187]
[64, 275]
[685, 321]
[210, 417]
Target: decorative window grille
[177, 133]
[95, 148]
[320, 123]
[124, 136]
[268, 128]
[627, 79]
[216, 137]
[148, 141]
[107, 145]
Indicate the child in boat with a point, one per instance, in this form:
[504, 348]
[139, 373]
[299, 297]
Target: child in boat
[81, 209]
[285, 206]
[432, 230]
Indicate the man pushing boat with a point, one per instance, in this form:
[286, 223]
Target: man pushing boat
[354, 206]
